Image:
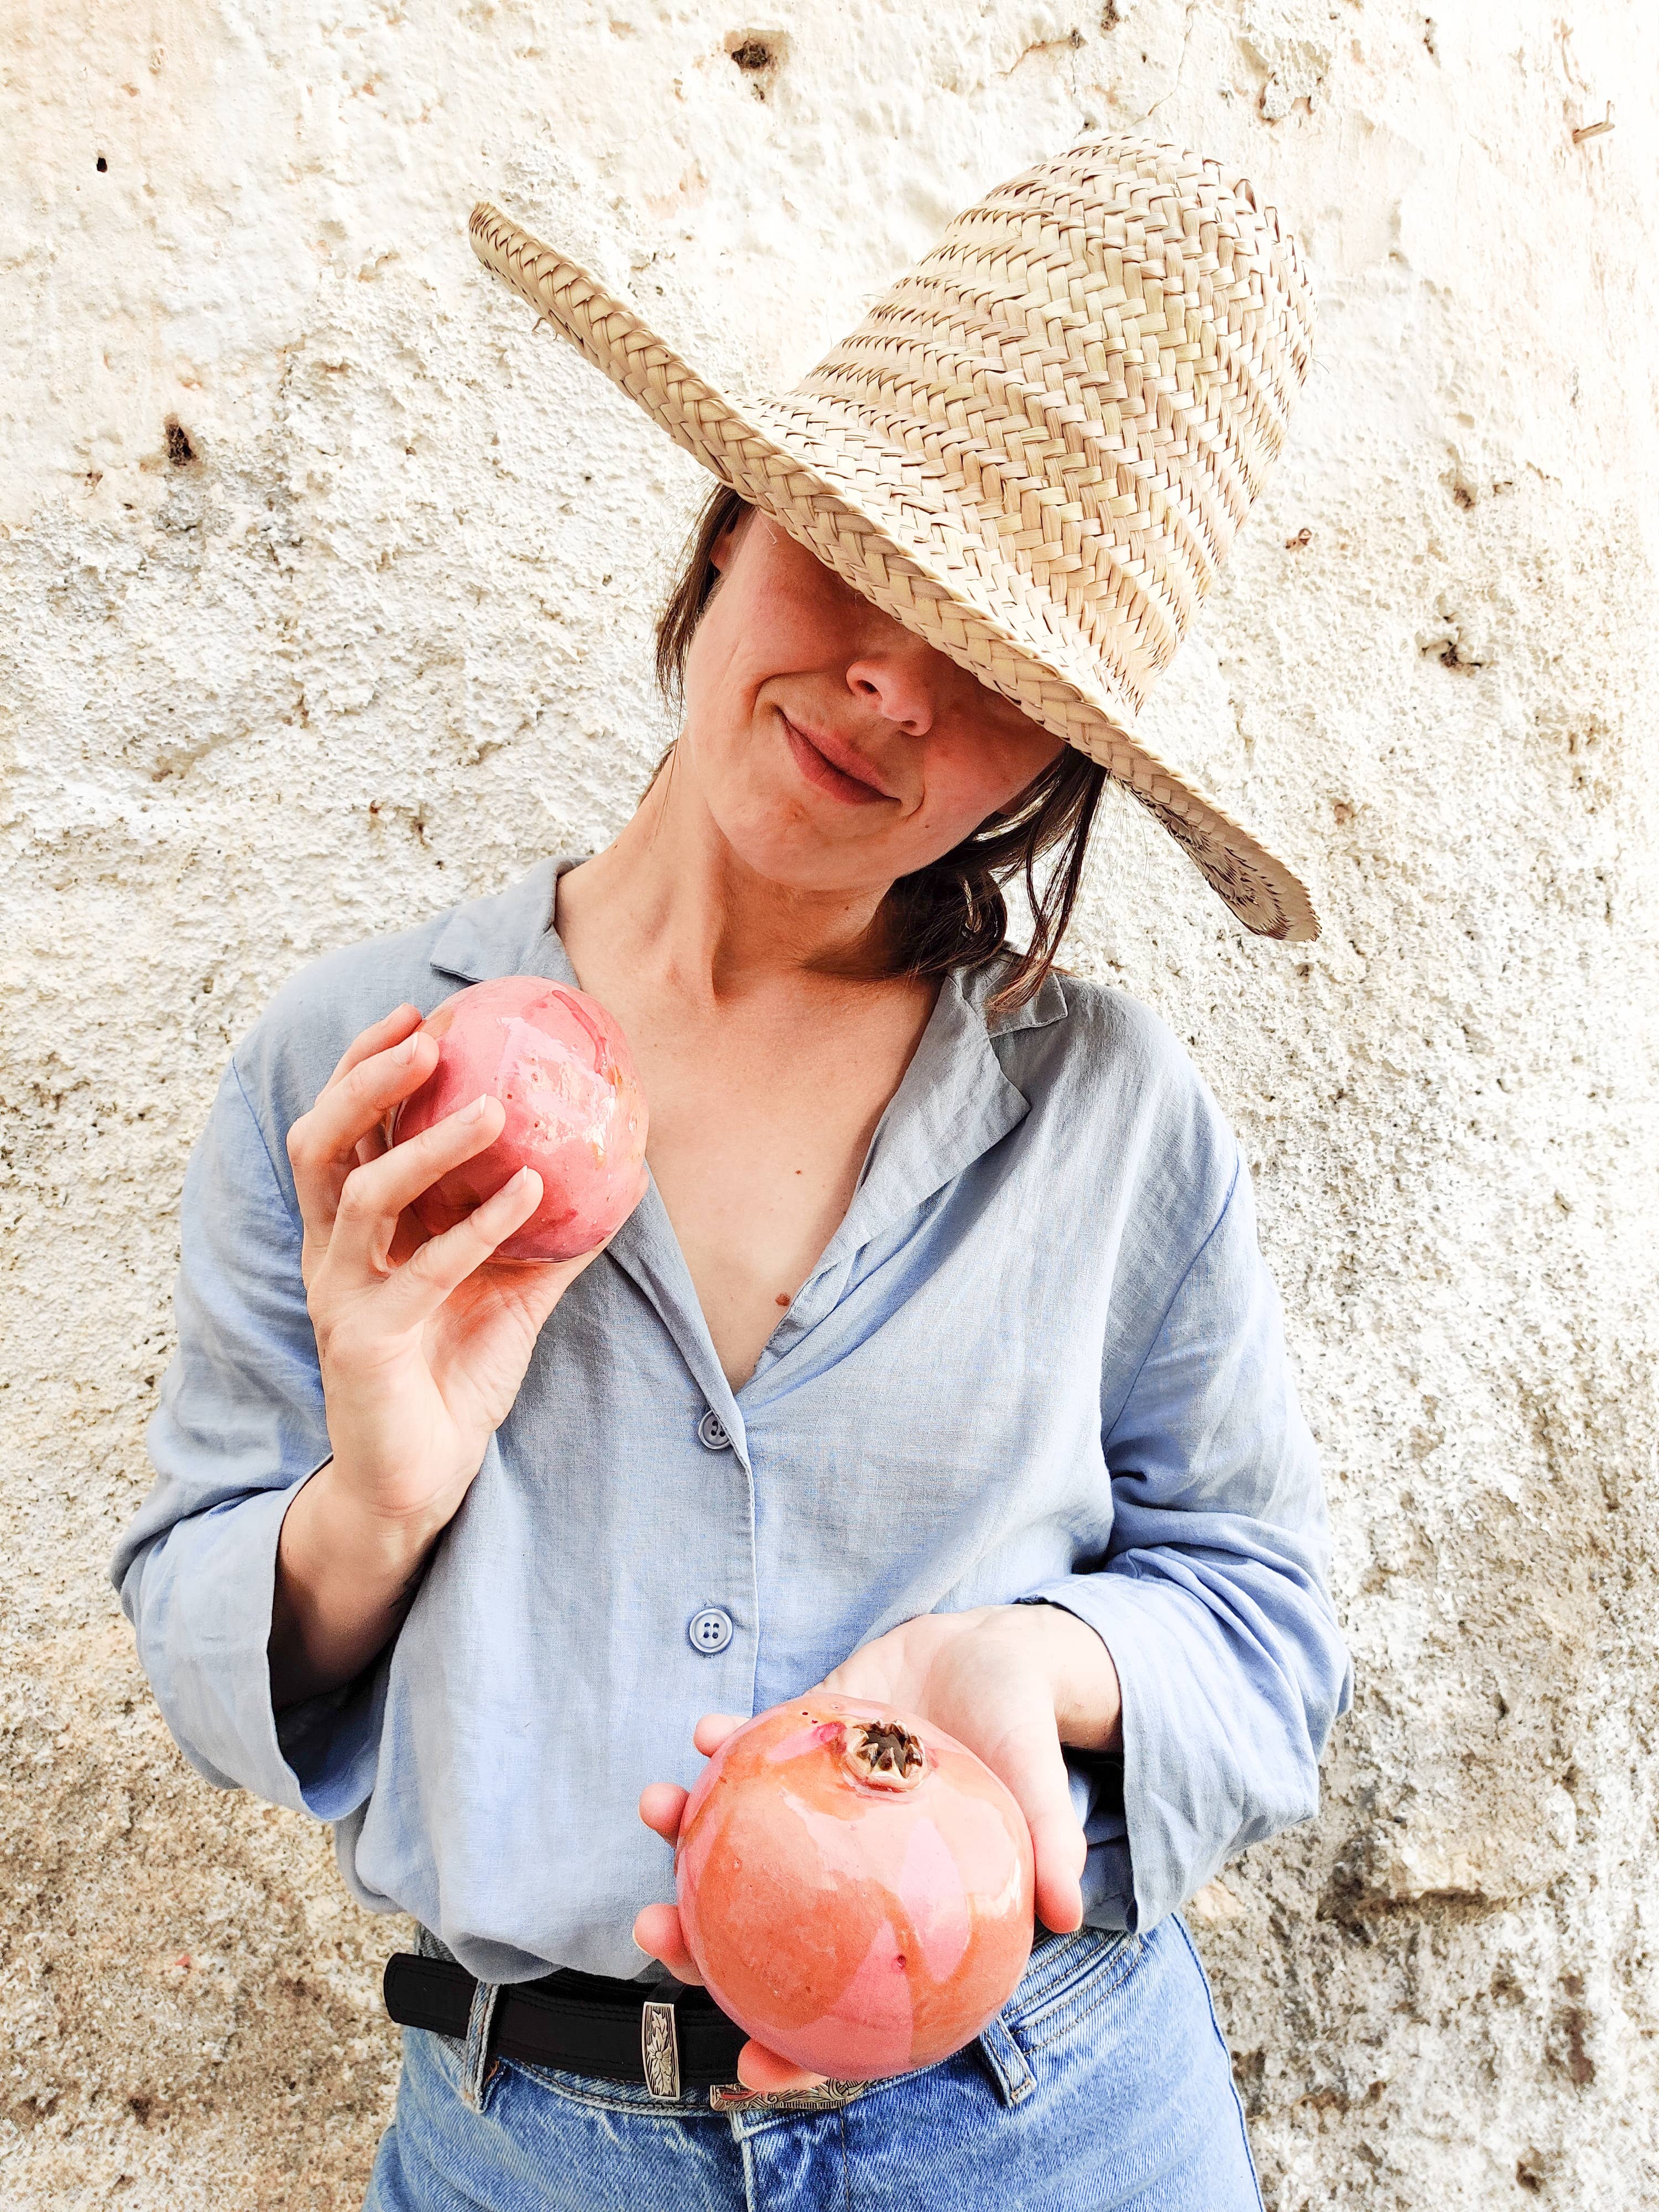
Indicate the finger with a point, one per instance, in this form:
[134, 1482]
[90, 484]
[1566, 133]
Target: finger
[377, 1191]
[574, 1267]
[661, 1804]
[711, 1730]
[761, 2069]
[1036, 1773]
[392, 1029]
[371, 1146]
[1015, 1732]
[533, 1286]
[365, 1095]
[322, 1145]
[413, 1292]
[657, 1931]
[1059, 1849]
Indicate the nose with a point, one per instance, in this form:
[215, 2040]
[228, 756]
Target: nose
[895, 682]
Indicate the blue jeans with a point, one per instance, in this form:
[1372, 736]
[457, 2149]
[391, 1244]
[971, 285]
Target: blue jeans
[1104, 2086]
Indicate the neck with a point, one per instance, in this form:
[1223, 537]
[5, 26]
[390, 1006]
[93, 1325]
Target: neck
[676, 901]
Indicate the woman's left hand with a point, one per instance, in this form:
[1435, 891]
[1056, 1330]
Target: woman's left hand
[1011, 1682]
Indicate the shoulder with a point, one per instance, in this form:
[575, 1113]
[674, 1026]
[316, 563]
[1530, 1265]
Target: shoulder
[1076, 1037]
[292, 1049]
[1107, 1080]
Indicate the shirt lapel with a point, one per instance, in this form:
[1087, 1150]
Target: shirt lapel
[954, 1103]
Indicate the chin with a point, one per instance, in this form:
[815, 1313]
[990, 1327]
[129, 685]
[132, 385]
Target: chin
[798, 856]
[790, 841]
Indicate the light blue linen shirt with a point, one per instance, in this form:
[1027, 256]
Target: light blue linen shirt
[1041, 1358]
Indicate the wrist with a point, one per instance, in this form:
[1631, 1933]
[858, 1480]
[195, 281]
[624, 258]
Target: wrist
[348, 1502]
[1088, 1697]
[334, 1520]
[346, 1576]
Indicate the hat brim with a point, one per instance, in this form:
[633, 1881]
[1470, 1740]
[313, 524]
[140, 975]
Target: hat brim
[864, 511]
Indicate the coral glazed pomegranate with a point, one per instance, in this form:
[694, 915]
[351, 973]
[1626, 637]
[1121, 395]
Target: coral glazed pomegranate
[854, 1885]
[575, 1112]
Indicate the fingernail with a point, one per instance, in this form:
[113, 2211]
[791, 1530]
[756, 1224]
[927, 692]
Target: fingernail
[406, 1050]
[474, 1111]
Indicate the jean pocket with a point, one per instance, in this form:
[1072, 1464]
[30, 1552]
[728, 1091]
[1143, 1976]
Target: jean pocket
[1068, 1979]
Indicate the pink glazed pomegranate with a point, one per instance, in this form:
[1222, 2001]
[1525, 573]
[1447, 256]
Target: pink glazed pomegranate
[576, 1111]
[855, 1887]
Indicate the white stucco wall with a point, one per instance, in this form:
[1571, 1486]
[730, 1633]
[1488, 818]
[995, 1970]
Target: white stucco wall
[384, 640]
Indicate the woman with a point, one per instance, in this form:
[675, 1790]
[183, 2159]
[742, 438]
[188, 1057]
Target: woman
[937, 1360]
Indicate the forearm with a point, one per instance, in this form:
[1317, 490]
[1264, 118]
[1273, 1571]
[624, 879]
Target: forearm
[345, 1580]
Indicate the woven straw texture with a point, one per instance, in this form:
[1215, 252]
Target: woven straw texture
[1035, 449]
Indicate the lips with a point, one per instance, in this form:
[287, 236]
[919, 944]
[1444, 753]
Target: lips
[833, 765]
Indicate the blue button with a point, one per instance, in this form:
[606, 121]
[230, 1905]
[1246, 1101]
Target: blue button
[710, 1630]
[711, 1433]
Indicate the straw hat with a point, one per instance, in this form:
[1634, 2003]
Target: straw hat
[1034, 451]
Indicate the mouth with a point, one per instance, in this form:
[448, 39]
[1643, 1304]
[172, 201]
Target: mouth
[833, 765]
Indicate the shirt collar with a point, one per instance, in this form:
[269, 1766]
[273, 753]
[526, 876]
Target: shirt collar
[954, 1101]
[509, 934]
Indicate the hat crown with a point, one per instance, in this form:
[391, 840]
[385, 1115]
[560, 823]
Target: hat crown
[1094, 368]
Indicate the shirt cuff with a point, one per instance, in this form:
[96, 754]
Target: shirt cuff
[1178, 1822]
[1107, 1883]
[209, 1586]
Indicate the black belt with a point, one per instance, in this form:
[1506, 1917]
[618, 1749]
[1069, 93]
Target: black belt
[660, 2034]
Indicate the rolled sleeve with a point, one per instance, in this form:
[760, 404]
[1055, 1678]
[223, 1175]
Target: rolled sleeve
[240, 1427]
[1211, 1596]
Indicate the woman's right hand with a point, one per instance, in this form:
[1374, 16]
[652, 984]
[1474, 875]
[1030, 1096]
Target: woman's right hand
[423, 1341]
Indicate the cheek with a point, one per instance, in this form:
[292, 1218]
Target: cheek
[748, 634]
[965, 782]
[741, 775]
[720, 688]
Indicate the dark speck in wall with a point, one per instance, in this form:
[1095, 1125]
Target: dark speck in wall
[759, 55]
[102, 165]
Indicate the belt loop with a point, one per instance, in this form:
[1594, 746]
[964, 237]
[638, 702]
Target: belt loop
[477, 2065]
[1006, 2063]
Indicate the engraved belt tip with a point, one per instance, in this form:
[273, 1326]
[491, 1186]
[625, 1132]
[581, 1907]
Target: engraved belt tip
[659, 2049]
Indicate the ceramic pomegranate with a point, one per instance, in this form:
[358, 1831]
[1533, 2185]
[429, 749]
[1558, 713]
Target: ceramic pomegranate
[576, 1111]
[854, 1885]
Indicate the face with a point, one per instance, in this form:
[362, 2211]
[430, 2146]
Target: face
[835, 751]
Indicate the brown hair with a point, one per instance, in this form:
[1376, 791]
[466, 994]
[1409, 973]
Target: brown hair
[951, 914]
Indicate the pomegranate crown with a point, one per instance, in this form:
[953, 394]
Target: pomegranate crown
[884, 1754]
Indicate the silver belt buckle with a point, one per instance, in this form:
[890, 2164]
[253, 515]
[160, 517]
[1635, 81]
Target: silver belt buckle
[659, 2049]
[827, 2097]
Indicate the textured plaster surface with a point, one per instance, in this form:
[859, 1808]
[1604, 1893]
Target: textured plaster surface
[367, 631]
